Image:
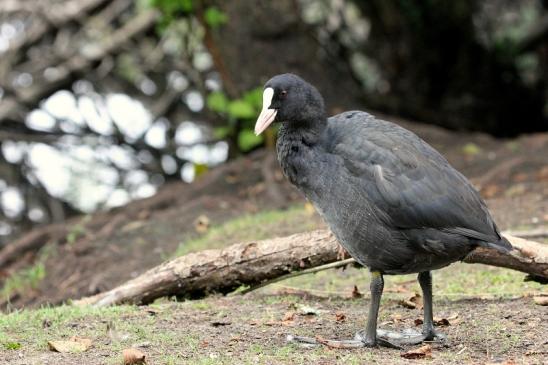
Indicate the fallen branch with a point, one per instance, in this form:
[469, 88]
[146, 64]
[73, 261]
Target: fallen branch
[253, 264]
[532, 233]
[30, 242]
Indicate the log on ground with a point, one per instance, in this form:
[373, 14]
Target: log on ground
[254, 263]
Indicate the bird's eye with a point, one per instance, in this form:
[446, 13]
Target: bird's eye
[283, 94]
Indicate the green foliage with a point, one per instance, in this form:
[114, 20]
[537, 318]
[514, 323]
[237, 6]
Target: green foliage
[78, 230]
[221, 132]
[255, 98]
[243, 110]
[247, 140]
[217, 101]
[471, 149]
[170, 10]
[200, 169]
[173, 7]
[215, 17]
[240, 109]
[12, 345]
[25, 279]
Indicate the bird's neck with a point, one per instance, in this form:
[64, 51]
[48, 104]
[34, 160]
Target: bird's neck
[308, 131]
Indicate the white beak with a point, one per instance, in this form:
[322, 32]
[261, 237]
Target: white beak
[267, 115]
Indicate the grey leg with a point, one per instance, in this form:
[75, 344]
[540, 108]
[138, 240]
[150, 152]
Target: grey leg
[408, 336]
[425, 281]
[369, 335]
[365, 338]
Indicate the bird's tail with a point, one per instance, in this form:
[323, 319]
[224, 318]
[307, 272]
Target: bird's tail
[502, 245]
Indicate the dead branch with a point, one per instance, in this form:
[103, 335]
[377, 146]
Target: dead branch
[201, 273]
[54, 16]
[532, 233]
[31, 242]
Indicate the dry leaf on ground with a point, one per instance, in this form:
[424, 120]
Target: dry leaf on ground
[289, 316]
[414, 302]
[201, 224]
[441, 322]
[423, 352]
[307, 310]
[356, 293]
[133, 357]
[340, 317]
[74, 344]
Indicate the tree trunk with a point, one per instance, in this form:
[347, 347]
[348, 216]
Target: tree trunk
[265, 38]
[198, 274]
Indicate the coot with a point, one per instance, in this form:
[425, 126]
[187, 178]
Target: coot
[392, 201]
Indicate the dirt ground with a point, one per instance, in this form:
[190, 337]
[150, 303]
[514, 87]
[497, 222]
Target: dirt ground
[252, 330]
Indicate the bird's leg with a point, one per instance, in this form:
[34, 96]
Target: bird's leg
[366, 338]
[409, 336]
[425, 281]
[370, 336]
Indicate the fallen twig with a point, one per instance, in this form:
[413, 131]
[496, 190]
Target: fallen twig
[332, 265]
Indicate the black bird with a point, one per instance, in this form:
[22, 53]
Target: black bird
[392, 201]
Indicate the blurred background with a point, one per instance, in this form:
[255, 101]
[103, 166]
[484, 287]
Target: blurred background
[105, 102]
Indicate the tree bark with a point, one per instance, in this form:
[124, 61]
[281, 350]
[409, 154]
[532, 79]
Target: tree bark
[265, 38]
[198, 274]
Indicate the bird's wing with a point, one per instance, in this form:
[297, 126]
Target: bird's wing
[408, 180]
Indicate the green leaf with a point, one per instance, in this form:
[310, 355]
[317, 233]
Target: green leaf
[200, 169]
[186, 5]
[171, 7]
[255, 98]
[471, 149]
[215, 17]
[12, 345]
[171, 10]
[240, 109]
[221, 132]
[217, 101]
[248, 140]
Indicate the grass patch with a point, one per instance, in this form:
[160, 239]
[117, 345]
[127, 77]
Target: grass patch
[250, 227]
[27, 278]
[31, 329]
[24, 279]
[453, 282]
[78, 230]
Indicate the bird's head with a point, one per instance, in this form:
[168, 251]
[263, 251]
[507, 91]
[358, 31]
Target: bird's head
[288, 98]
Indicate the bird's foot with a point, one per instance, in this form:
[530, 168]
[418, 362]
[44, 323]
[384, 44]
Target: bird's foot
[406, 338]
[435, 336]
[319, 341]
[390, 339]
[358, 342]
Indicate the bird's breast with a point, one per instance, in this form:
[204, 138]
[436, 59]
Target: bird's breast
[296, 161]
